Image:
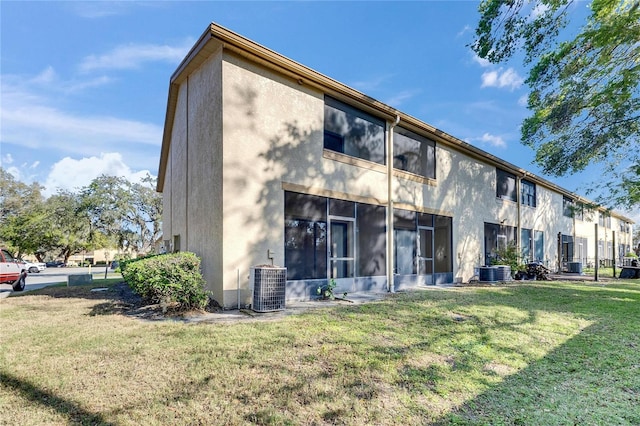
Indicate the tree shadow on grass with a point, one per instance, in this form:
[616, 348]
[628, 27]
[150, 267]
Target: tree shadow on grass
[73, 411]
[591, 378]
[579, 383]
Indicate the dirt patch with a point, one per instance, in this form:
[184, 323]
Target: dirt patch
[124, 301]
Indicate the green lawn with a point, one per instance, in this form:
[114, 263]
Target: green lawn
[529, 353]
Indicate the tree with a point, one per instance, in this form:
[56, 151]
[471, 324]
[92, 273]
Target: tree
[129, 213]
[70, 231]
[22, 216]
[148, 213]
[585, 95]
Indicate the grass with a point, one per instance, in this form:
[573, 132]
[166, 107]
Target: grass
[603, 272]
[535, 353]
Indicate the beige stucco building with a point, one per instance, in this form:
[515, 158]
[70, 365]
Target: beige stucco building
[267, 161]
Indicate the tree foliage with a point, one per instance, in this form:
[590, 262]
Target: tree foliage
[584, 89]
[21, 215]
[68, 233]
[130, 213]
[110, 212]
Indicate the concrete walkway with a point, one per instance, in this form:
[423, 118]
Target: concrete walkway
[291, 308]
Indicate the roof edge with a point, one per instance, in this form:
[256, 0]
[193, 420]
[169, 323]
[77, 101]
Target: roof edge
[241, 45]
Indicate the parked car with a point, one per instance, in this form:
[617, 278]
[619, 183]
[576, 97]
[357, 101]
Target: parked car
[35, 267]
[12, 271]
[55, 264]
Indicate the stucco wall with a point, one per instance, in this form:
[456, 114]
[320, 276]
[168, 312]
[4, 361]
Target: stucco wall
[548, 217]
[192, 193]
[204, 211]
[272, 133]
[178, 170]
[465, 189]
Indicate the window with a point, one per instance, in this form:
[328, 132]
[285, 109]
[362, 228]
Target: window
[443, 245]
[305, 234]
[528, 193]
[581, 250]
[176, 243]
[405, 241]
[372, 240]
[422, 243]
[526, 244]
[414, 153]
[7, 256]
[497, 237]
[505, 185]
[578, 211]
[538, 242]
[623, 226]
[567, 248]
[567, 207]
[353, 132]
[604, 219]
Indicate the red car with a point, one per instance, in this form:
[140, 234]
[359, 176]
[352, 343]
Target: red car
[12, 271]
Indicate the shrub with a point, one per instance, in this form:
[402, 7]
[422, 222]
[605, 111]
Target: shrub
[173, 278]
[509, 256]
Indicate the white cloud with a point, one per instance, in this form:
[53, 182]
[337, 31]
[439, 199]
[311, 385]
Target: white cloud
[99, 9]
[538, 10]
[523, 100]
[496, 78]
[47, 76]
[132, 56]
[15, 172]
[71, 174]
[6, 159]
[372, 84]
[484, 63]
[28, 120]
[48, 82]
[493, 140]
[400, 97]
[466, 29]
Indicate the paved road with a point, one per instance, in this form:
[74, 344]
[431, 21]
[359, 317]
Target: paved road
[55, 276]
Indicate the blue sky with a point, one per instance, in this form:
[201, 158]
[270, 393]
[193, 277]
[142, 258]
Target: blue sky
[84, 84]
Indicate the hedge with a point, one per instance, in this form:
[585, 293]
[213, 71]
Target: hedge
[173, 278]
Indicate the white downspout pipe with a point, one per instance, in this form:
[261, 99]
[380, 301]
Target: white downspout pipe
[390, 249]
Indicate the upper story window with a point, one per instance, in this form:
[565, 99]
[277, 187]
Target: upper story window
[353, 132]
[604, 219]
[528, 193]
[625, 227]
[505, 185]
[414, 153]
[567, 206]
[578, 211]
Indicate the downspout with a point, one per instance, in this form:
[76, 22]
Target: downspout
[390, 260]
[519, 221]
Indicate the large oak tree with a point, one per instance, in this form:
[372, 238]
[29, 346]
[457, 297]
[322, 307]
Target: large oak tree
[584, 89]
